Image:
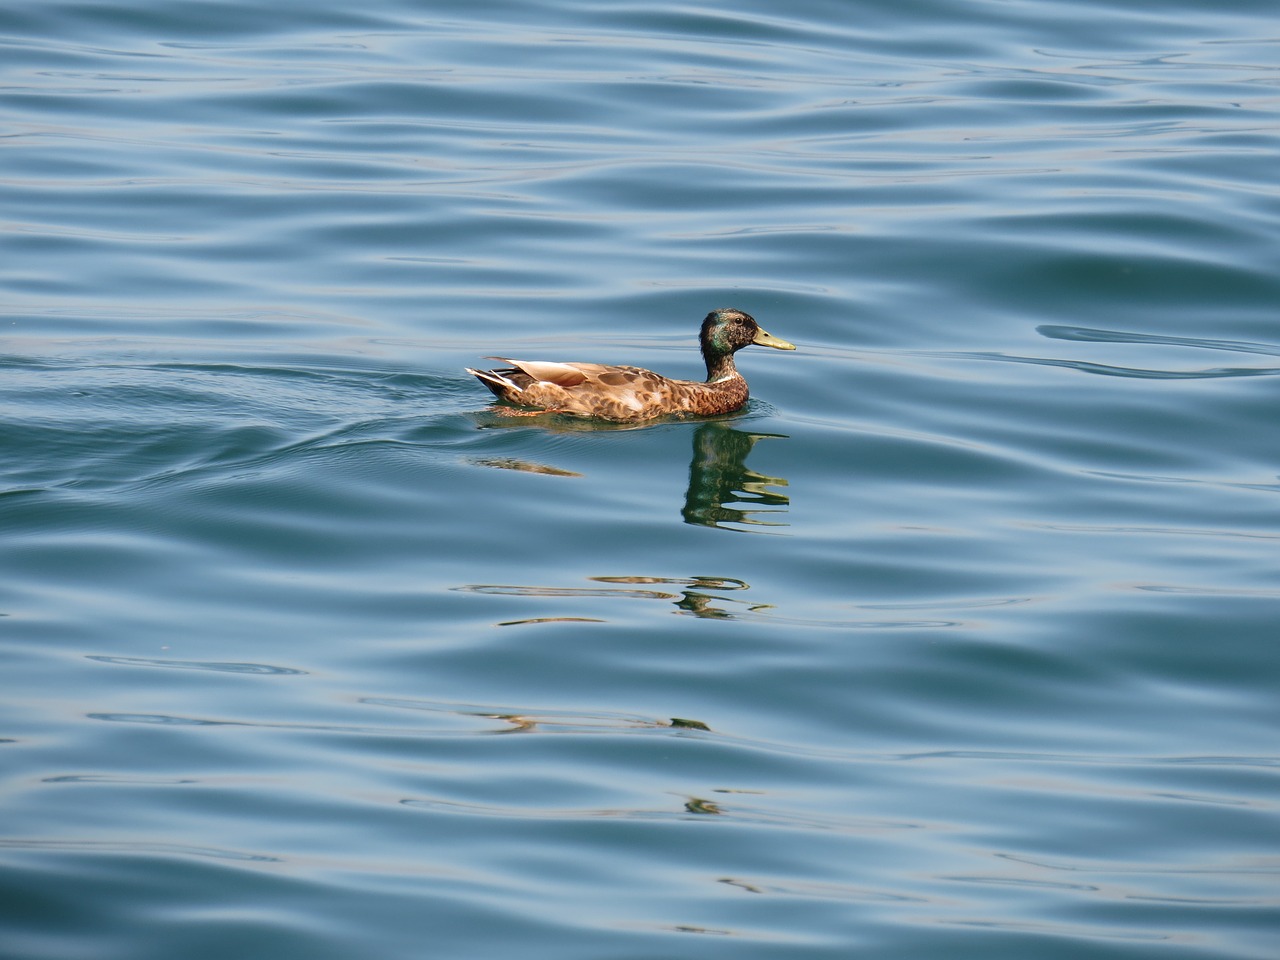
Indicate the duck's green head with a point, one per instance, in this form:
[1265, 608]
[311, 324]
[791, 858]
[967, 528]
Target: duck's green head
[727, 330]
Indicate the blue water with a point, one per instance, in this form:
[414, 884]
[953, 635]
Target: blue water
[959, 641]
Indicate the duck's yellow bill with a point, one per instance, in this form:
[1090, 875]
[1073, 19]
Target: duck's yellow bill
[765, 339]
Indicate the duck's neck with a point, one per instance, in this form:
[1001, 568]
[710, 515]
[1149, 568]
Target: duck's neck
[719, 365]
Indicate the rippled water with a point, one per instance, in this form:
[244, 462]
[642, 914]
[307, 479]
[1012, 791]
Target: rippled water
[960, 640]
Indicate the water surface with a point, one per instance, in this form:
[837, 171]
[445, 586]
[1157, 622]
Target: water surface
[958, 640]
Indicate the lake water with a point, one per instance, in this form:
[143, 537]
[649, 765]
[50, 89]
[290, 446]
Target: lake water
[959, 641]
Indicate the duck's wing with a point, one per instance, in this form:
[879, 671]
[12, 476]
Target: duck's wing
[586, 389]
[548, 371]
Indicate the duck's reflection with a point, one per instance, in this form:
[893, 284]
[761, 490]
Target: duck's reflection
[694, 600]
[719, 477]
[694, 597]
[723, 491]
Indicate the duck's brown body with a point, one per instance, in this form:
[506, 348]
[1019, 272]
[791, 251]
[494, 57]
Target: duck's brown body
[609, 393]
[624, 393]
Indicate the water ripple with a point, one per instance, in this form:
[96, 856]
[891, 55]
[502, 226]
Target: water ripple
[1091, 335]
[134, 848]
[1109, 370]
[260, 669]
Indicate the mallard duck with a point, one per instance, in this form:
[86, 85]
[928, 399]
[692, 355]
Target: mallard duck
[633, 393]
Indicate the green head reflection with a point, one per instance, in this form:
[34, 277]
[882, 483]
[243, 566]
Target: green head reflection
[723, 490]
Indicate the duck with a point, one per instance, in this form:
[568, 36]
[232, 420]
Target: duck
[629, 394]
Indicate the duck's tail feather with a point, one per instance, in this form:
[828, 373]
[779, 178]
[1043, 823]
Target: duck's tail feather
[498, 384]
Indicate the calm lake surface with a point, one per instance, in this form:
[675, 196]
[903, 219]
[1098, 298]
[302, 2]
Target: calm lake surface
[960, 641]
